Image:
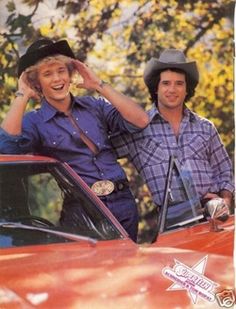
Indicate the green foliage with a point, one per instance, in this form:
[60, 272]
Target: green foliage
[117, 37]
[49, 194]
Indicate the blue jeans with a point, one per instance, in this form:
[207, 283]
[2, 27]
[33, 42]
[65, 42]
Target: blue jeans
[123, 206]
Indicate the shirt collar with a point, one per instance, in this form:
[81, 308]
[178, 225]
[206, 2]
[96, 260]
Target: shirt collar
[154, 113]
[188, 113]
[48, 111]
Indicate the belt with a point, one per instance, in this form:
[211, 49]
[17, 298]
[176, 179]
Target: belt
[106, 187]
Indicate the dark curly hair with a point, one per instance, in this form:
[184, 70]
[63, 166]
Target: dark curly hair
[190, 84]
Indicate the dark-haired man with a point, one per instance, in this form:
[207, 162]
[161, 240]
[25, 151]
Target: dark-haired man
[176, 131]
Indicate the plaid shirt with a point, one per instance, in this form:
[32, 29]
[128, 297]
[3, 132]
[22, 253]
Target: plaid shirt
[198, 149]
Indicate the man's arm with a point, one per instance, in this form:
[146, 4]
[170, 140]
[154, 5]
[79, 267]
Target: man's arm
[127, 107]
[222, 170]
[12, 123]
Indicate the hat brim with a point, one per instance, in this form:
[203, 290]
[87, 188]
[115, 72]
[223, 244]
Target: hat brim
[30, 58]
[154, 66]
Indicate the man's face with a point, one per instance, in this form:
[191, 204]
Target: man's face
[54, 80]
[171, 90]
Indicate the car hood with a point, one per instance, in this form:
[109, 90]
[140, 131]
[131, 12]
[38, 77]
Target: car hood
[115, 274]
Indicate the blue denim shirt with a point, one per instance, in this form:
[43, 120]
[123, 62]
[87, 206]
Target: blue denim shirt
[47, 131]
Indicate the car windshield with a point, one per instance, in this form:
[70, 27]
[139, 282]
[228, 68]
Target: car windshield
[33, 194]
[181, 204]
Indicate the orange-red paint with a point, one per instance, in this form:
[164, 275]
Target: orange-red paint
[115, 274]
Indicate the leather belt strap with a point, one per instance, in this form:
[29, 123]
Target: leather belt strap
[84, 138]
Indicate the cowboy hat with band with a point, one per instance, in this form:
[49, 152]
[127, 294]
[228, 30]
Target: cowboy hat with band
[41, 49]
[170, 59]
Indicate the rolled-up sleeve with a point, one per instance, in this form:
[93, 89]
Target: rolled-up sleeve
[11, 144]
[114, 119]
[24, 142]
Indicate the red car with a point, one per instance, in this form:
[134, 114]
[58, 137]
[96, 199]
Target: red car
[96, 265]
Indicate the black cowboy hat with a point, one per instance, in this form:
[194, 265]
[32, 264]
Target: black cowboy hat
[43, 48]
[170, 58]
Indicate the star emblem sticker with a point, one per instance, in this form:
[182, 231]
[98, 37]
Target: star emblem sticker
[191, 279]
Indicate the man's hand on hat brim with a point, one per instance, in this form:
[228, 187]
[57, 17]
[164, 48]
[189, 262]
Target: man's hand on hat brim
[90, 79]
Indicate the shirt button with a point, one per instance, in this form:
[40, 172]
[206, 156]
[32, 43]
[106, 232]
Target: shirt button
[102, 174]
[98, 144]
[86, 132]
[94, 158]
[77, 118]
[74, 132]
[54, 143]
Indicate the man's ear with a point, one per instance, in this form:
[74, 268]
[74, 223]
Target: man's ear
[38, 88]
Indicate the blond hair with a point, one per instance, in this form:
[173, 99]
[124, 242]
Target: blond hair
[32, 71]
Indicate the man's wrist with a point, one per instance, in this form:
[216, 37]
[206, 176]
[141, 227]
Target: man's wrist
[19, 93]
[101, 85]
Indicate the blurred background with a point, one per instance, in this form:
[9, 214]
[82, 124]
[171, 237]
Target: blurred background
[116, 38]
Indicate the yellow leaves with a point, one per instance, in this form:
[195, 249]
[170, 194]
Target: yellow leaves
[201, 8]
[217, 87]
[230, 87]
[97, 6]
[45, 30]
[183, 23]
[214, 95]
[10, 82]
[61, 29]
[217, 122]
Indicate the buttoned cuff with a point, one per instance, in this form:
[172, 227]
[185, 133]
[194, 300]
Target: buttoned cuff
[9, 144]
[228, 186]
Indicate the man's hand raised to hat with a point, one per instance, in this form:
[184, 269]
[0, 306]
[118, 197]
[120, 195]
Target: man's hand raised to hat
[24, 88]
[90, 79]
[13, 121]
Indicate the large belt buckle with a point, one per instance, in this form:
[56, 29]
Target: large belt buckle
[103, 187]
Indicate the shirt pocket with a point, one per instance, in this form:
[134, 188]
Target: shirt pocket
[197, 148]
[53, 141]
[152, 152]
